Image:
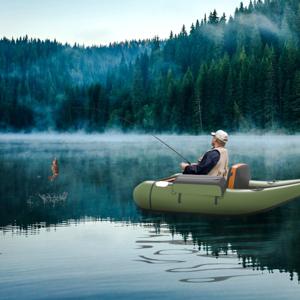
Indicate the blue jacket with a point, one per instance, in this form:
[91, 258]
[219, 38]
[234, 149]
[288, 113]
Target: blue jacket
[209, 160]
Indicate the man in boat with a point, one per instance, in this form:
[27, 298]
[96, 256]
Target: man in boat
[214, 162]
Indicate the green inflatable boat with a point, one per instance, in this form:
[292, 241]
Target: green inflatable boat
[210, 195]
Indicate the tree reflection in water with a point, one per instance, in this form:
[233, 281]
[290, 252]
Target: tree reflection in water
[269, 241]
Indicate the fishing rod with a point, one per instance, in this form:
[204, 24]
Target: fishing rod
[154, 136]
[170, 148]
[160, 140]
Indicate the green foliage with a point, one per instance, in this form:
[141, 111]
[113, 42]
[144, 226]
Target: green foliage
[237, 74]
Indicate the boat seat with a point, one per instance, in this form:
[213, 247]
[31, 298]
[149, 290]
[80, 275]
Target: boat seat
[239, 177]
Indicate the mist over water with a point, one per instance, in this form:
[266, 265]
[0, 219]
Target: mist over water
[268, 155]
[84, 233]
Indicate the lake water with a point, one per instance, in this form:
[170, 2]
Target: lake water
[82, 237]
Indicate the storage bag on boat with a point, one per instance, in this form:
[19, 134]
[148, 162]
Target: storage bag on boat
[214, 186]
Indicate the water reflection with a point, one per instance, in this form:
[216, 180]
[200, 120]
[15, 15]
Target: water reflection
[266, 242]
[197, 263]
[214, 279]
[203, 267]
[96, 179]
[158, 261]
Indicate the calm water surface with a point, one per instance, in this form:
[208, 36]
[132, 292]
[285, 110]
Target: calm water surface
[82, 237]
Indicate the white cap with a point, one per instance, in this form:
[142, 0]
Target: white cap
[220, 135]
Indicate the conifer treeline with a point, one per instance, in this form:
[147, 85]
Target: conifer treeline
[240, 73]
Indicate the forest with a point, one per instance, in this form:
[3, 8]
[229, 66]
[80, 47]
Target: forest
[238, 73]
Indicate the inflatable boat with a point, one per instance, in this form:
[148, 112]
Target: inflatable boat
[210, 195]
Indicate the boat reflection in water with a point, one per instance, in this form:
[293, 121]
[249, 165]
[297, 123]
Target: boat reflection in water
[265, 242]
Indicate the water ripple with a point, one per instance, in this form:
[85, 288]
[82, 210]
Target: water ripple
[144, 247]
[157, 261]
[176, 252]
[213, 278]
[198, 268]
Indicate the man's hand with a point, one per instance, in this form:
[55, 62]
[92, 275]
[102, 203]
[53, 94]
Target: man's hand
[183, 166]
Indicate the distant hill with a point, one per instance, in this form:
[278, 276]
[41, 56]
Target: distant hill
[237, 73]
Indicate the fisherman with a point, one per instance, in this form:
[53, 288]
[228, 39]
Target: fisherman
[214, 162]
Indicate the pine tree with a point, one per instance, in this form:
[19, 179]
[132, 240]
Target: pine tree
[183, 32]
[295, 103]
[199, 99]
[250, 7]
[213, 18]
[192, 30]
[287, 106]
[173, 108]
[187, 96]
[96, 108]
[270, 106]
[223, 19]
[229, 105]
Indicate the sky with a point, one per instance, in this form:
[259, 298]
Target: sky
[99, 22]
